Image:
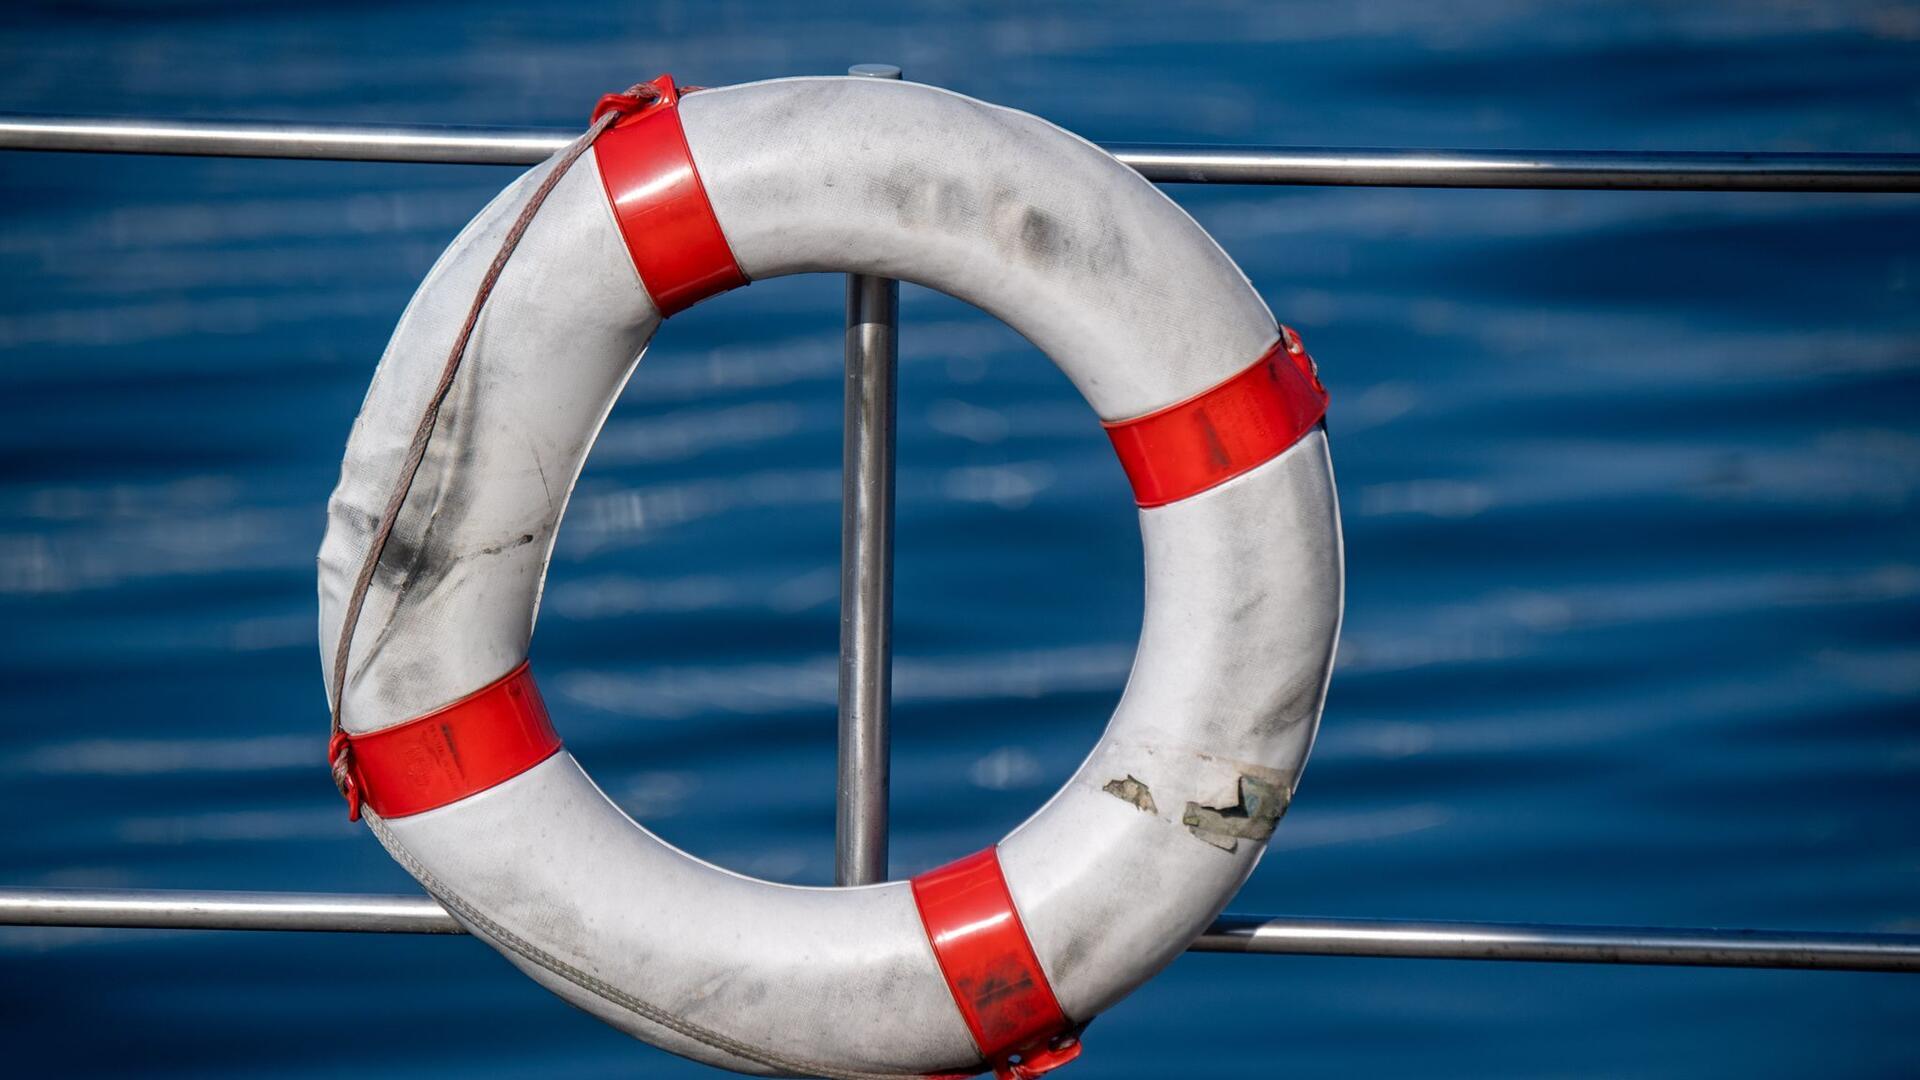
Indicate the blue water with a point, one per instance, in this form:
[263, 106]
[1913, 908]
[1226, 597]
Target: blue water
[1630, 487]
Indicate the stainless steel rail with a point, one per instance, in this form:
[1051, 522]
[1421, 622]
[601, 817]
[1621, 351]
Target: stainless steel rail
[1566, 944]
[1581, 169]
[161, 909]
[425, 143]
[1590, 169]
[866, 570]
[147, 909]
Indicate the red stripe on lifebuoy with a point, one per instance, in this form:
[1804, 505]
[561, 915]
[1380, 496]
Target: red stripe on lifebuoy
[486, 738]
[1219, 433]
[662, 207]
[991, 968]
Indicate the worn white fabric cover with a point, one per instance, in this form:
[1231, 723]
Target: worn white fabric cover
[1094, 265]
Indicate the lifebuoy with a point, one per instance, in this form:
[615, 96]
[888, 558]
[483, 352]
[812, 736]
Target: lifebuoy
[999, 958]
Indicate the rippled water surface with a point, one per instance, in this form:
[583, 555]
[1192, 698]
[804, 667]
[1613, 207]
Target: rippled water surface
[1629, 486]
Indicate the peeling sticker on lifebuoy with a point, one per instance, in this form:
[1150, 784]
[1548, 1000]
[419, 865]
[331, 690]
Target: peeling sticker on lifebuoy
[1130, 790]
[1261, 806]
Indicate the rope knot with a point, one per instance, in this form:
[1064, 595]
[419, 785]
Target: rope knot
[637, 98]
[340, 756]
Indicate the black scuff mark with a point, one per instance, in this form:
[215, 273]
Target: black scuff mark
[545, 486]
[1249, 603]
[453, 750]
[1217, 454]
[494, 549]
[1296, 702]
[419, 554]
[401, 564]
[1040, 235]
[1261, 807]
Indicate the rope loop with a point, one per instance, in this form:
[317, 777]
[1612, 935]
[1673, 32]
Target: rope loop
[631, 100]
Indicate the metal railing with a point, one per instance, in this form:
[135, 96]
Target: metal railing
[1271, 935]
[1165, 164]
[867, 531]
[866, 570]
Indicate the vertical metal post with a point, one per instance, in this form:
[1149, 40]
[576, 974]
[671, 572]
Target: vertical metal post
[866, 569]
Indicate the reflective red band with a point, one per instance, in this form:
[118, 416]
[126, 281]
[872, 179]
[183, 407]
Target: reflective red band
[1217, 434]
[662, 207]
[991, 968]
[486, 738]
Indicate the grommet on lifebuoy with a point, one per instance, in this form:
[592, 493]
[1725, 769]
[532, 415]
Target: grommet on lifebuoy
[450, 496]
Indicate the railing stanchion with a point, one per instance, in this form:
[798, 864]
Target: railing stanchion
[866, 570]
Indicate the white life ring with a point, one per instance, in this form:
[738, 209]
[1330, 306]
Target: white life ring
[996, 960]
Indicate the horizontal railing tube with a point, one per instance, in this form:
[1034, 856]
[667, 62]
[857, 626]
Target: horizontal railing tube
[1565, 944]
[1566, 169]
[154, 909]
[1589, 169]
[166, 910]
[270, 139]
